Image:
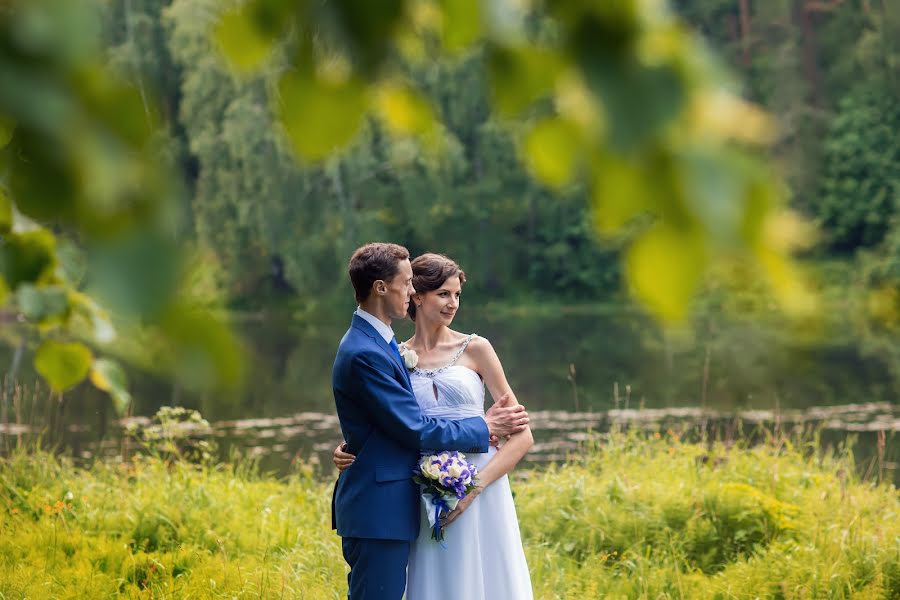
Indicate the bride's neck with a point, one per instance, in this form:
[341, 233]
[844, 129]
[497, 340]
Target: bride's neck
[429, 336]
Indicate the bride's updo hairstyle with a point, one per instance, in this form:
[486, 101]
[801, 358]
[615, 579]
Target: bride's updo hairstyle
[430, 271]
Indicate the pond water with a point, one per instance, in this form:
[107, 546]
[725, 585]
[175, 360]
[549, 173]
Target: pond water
[576, 369]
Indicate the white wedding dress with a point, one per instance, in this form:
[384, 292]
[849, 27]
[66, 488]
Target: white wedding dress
[483, 557]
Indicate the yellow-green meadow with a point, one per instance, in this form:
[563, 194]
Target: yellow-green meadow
[633, 516]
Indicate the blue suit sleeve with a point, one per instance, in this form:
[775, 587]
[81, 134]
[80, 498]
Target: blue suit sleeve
[395, 410]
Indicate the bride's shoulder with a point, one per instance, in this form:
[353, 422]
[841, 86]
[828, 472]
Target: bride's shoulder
[478, 346]
[466, 339]
[456, 338]
[481, 357]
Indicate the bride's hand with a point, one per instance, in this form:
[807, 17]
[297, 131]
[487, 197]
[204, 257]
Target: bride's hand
[460, 507]
[342, 459]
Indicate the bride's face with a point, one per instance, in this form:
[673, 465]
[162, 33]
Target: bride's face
[440, 305]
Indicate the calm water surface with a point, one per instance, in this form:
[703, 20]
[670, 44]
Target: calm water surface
[577, 370]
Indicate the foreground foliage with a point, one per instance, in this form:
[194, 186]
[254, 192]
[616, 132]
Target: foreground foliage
[634, 517]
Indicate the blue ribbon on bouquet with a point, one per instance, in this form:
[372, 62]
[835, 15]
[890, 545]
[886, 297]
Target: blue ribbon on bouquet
[436, 532]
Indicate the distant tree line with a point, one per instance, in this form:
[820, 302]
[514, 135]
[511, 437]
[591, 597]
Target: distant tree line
[827, 70]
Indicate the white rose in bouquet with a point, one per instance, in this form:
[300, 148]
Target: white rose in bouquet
[455, 469]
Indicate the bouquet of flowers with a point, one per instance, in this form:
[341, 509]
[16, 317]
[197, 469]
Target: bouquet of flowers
[446, 478]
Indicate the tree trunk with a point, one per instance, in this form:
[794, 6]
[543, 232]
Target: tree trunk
[810, 53]
[744, 6]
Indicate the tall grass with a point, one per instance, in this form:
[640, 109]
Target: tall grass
[636, 516]
[153, 529]
[653, 517]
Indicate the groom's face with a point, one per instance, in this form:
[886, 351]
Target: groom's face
[398, 291]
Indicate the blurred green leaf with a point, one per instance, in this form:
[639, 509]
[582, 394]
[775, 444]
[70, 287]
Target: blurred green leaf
[7, 127]
[707, 188]
[6, 214]
[118, 109]
[722, 114]
[462, 23]
[26, 257]
[621, 190]
[242, 43]
[97, 321]
[618, 21]
[247, 35]
[4, 291]
[405, 110]
[368, 29]
[81, 159]
[638, 100]
[204, 351]
[136, 274]
[320, 116]
[664, 267]
[109, 376]
[34, 99]
[42, 181]
[41, 303]
[118, 192]
[760, 201]
[62, 364]
[552, 149]
[69, 32]
[519, 76]
[788, 283]
[72, 261]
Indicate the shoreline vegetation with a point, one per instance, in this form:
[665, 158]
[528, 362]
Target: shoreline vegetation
[634, 515]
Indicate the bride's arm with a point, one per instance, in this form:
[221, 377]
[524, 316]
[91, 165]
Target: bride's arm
[487, 364]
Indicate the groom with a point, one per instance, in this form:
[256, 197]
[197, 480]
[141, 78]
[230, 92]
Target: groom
[376, 508]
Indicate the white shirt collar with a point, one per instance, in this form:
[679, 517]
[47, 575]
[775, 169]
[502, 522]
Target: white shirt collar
[384, 330]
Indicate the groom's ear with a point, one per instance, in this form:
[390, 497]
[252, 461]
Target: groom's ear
[380, 287]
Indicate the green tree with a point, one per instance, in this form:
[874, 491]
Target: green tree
[860, 186]
[638, 114]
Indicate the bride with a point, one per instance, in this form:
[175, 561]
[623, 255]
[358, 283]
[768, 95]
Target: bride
[482, 557]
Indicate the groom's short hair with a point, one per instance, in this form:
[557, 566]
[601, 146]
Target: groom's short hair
[373, 262]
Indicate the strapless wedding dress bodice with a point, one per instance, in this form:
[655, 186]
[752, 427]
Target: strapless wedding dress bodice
[451, 392]
[483, 546]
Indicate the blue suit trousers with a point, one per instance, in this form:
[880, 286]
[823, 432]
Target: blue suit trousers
[377, 568]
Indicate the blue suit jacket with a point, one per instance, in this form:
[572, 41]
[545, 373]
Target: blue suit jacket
[383, 426]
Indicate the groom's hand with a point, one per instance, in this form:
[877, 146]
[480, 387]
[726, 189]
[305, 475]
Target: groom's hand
[504, 420]
[342, 459]
[506, 399]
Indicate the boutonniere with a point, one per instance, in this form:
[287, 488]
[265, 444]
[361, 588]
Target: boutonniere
[409, 356]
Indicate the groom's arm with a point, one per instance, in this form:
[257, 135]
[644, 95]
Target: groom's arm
[395, 410]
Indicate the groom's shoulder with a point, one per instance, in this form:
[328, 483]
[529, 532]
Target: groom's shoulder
[356, 342]
[358, 356]
[353, 338]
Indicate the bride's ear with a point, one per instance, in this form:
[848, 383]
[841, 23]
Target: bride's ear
[417, 299]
